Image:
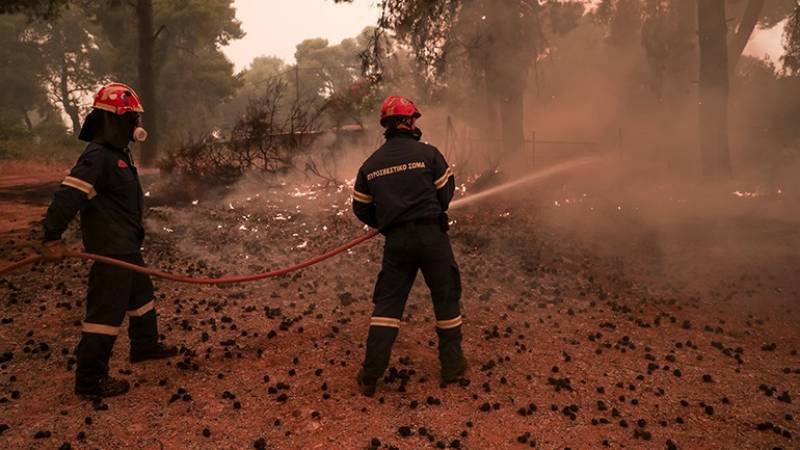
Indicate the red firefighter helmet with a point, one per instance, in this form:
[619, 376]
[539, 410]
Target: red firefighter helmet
[117, 98]
[396, 106]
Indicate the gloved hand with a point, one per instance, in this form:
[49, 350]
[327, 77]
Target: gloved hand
[54, 250]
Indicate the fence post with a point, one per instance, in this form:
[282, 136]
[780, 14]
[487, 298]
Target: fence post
[533, 149]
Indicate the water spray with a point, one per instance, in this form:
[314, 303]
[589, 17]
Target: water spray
[530, 179]
[462, 202]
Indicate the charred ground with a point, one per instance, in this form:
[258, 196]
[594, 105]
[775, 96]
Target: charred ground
[628, 336]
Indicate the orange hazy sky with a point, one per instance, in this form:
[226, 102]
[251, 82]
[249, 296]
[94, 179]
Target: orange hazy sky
[767, 43]
[275, 27]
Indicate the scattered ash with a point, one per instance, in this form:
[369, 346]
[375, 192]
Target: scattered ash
[569, 347]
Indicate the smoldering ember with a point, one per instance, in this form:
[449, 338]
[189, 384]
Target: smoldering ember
[386, 224]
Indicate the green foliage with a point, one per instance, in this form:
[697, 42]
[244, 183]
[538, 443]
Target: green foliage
[325, 69]
[563, 16]
[767, 106]
[72, 47]
[424, 26]
[190, 89]
[625, 22]
[72, 62]
[604, 11]
[261, 70]
[193, 76]
[193, 24]
[39, 9]
[48, 140]
[327, 78]
[20, 63]
[332, 76]
[791, 44]
[774, 12]
[251, 83]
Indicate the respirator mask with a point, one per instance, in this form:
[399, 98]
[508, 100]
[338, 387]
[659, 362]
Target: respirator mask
[139, 133]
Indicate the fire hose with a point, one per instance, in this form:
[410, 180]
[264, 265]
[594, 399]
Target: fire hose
[198, 280]
[310, 262]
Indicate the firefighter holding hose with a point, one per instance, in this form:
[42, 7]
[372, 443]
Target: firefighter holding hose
[104, 186]
[404, 190]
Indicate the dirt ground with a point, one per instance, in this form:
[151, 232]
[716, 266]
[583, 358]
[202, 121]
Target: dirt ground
[589, 323]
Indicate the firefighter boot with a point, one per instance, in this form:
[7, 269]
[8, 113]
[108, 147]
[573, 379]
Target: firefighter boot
[102, 387]
[91, 373]
[366, 384]
[451, 357]
[143, 332]
[379, 350]
[158, 350]
[452, 373]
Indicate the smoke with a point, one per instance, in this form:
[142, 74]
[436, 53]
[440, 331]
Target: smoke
[263, 219]
[610, 158]
[675, 230]
[634, 103]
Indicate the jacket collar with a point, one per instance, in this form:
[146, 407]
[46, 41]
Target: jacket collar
[393, 133]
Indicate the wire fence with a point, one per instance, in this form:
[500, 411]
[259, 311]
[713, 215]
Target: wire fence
[463, 146]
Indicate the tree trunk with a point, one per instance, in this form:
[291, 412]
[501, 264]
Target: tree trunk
[507, 76]
[680, 94]
[144, 16]
[739, 41]
[683, 55]
[714, 86]
[27, 118]
[70, 108]
[687, 16]
[506, 114]
[74, 117]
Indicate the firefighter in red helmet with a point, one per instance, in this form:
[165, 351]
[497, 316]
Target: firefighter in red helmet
[404, 190]
[104, 187]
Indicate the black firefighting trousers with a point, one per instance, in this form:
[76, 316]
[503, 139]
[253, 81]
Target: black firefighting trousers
[408, 248]
[113, 293]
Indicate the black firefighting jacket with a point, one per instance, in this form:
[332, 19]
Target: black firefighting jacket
[404, 180]
[104, 186]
